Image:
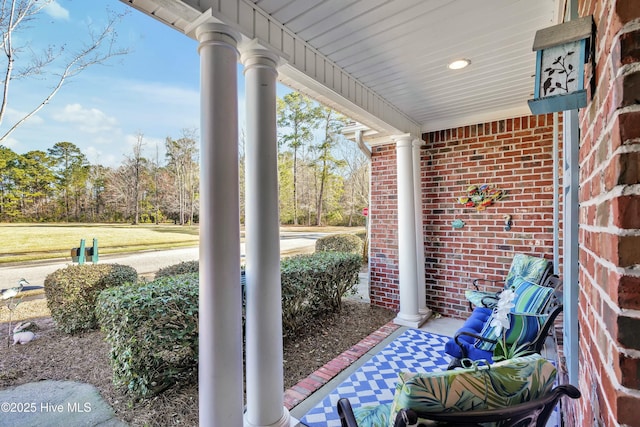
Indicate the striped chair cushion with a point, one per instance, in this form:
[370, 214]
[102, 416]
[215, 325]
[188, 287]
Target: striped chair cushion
[523, 327]
[530, 298]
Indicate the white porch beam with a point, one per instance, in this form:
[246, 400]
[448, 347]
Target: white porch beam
[307, 70]
[264, 355]
[220, 318]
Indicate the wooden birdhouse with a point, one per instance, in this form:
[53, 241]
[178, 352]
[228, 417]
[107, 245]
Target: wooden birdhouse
[562, 51]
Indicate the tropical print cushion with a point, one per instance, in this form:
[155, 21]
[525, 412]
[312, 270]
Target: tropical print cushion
[481, 298]
[373, 416]
[524, 267]
[530, 298]
[530, 268]
[523, 327]
[506, 383]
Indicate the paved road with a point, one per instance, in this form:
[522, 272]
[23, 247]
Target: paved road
[144, 262]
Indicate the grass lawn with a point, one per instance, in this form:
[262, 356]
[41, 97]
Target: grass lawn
[29, 242]
[26, 242]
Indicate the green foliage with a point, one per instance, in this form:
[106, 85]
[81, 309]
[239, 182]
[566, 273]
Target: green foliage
[177, 269]
[72, 291]
[504, 351]
[340, 243]
[321, 180]
[153, 332]
[365, 245]
[362, 235]
[315, 284]
[153, 328]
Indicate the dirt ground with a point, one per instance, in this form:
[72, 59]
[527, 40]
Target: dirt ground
[84, 358]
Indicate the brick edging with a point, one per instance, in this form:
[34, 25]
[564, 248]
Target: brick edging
[307, 386]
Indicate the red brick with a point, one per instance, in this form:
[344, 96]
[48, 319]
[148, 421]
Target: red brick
[628, 328]
[626, 11]
[626, 210]
[629, 126]
[628, 250]
[629, 371]
[629, 292]
[627, 405]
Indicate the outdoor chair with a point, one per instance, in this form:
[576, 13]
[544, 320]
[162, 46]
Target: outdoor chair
[534, 312]
[516, 392]
[532, 269]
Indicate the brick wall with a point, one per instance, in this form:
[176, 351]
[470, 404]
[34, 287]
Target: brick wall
[609, 363]
[383, 232]
[513, 155]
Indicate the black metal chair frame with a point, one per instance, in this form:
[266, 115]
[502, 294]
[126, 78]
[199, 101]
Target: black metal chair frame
[548, 279]
[534, 413]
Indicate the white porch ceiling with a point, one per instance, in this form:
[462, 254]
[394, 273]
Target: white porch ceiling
[384, 62]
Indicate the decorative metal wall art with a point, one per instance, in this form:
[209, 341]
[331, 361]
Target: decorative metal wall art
[480, 197]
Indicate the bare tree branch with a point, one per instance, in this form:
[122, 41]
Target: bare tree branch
[101, 47]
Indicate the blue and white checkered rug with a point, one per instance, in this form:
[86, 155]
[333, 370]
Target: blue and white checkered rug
[375, 382]
[413, 351]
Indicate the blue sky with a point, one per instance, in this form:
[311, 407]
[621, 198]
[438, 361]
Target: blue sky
[153, 90]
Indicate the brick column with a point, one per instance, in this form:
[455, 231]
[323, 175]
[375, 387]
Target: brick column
[610, 221]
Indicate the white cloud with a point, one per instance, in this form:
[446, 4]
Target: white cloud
[10, 142]
[56, 11]
[149, 145]
[163, 93]
[90, 120]
[13, 115]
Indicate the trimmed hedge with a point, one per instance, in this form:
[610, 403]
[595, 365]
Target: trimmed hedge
[315, 284]
[153, 328]
[153, 332]
[340, 243]
[72, 291]
[362, 235]
[176, 269]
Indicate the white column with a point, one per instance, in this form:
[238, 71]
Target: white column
[417, 191]
[408, 315]
[220, 327]
[264, 358]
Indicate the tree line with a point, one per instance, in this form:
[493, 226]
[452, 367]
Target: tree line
[323, 177]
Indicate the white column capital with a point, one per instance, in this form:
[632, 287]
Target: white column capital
[216, 34]
[402, 140]
[260, 58]
[417, 143]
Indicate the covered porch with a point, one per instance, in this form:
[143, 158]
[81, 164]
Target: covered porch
[384, 64]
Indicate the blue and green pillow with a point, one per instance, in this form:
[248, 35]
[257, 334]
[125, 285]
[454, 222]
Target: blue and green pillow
[530, 298]
[525, 319]
[523, 328]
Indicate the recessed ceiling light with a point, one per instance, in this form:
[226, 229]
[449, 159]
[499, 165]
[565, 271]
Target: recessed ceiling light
[458, 64]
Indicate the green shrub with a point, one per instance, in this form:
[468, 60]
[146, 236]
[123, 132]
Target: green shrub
[362, 235]
[177, 269]
[72, 291]
[315, 284]
[153, 332]
[153, 328]
[340, 243]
